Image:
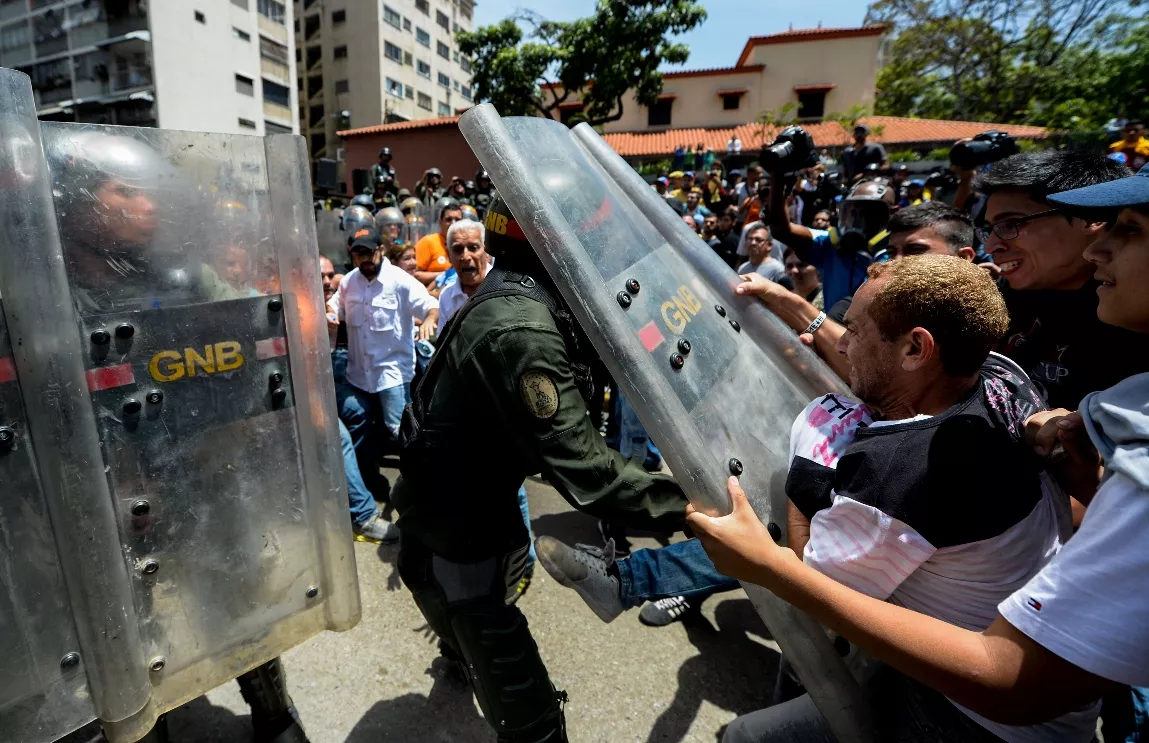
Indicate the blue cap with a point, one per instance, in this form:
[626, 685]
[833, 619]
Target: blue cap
[917, 182]
[663, 180]
[735, 172]
[688, 174]
[1118, 194]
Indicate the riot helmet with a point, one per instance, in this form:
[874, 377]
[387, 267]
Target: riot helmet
[355, 218]
[444, 203]
[469, 212]
[389, 222]
[363, 200]
[110, 189]
[470, 187]
[403, 193]
[385, 153]
[504, 235]
[409, 204]
[433, 173]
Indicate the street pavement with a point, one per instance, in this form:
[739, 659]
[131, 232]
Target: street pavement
[384, 682]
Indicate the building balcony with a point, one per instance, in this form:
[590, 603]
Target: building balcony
[277, 71]
[272, 30]
[277, 114]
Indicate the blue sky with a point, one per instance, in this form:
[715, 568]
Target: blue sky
[718, 41]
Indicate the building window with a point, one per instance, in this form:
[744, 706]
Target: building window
[811, 104]
[340, 52]
[270, 127]
[423, 37]
[240, 34]
[269, 49]
[444, 80]
[408, 59]
[199, 17]
[444, 109]
[16, 38]
[342, 86]
[409, 93]
[731, 101]
[246, 124]
[423, 69]
[466, 93]
[455, 85]
[659, 113]
[240, 3]
[395, 88]
[442, 19]
[443, 50]
[406, 24]
[465, 64]
[245, 85]
[273, 10]
[425, 101]
[423, 6]
[339, 16]
[392, 16]
[276, 93]
[392, 52]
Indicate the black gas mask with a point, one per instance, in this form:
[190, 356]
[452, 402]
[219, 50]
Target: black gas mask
[862, 222]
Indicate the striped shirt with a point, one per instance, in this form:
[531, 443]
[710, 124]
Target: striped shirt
[903, 511]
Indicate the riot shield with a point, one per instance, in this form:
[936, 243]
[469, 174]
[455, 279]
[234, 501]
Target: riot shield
[418, 221]
[174, 412]
[715, 378]
[332, 240]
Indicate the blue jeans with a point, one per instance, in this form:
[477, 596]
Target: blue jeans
[359, 497]
[525, 508]
[366, 416]
[629, 438]
[681, 569]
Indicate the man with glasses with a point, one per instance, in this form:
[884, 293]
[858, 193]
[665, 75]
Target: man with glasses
[758, 246]
[1048, 285]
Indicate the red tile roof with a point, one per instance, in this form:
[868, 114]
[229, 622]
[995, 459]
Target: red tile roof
[810, 34]
[714, 71]
[400, 126]
[894, 131]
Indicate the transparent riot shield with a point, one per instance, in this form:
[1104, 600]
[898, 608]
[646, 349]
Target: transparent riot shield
[715, 378]
[174, 406]
[419, 222]
[331, 239]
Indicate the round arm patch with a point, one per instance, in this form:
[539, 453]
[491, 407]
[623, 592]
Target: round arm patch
[539, 393]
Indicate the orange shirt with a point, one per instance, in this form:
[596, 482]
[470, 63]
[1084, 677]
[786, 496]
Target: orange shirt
[431, 254]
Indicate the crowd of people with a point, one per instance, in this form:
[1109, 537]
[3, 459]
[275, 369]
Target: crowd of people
[993, 581]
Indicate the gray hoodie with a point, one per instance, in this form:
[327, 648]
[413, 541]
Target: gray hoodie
[1117, 420]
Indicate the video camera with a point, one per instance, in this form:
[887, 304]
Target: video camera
[985, 148]
[792, 150]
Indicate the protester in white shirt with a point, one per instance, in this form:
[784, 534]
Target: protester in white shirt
[1079, 627]
[379, 302]
[466, 249]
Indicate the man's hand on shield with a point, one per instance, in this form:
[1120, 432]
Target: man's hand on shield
[738, 544]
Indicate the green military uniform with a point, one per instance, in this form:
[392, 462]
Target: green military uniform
[506, 397]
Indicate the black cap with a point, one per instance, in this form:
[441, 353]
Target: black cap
[364, 239]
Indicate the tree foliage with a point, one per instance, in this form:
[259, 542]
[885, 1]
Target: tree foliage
[1061, 63]
[599, 58]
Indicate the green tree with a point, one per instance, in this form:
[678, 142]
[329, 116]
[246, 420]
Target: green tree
[1049, 62]
[599, 58]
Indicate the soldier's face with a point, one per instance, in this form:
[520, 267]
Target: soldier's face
[392, 231]
[469, 257]
[128, 214]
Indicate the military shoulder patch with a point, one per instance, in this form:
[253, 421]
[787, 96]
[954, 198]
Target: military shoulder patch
[539, 394]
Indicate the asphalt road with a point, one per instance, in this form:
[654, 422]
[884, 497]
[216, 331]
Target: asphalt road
[384, 682]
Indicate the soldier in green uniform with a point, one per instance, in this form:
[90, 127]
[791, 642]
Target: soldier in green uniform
[506, 397]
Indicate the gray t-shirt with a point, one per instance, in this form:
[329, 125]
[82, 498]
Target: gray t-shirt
[770, 268]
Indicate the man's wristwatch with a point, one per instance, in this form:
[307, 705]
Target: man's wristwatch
[821, 318]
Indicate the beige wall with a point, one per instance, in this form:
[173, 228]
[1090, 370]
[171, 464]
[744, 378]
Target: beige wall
[850, 64]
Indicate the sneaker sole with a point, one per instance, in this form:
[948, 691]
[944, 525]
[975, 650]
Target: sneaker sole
[562, 580]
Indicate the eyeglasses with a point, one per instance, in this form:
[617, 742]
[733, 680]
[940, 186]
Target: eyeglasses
[1009, 228]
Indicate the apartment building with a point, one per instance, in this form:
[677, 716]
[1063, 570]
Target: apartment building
[199, 65]
[364, 62]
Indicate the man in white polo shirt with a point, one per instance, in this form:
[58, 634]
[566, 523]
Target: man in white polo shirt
[379, 302]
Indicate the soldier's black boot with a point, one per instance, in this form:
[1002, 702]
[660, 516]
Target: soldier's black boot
[273, 717]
